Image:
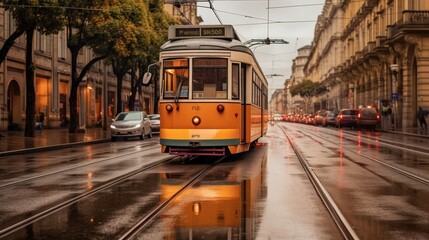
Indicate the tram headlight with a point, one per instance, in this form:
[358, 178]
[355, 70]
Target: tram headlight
[169, 107]
[196, 208]
[220, 108]
[196, 120]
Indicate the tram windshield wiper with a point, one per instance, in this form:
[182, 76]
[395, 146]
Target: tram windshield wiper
[179, 89]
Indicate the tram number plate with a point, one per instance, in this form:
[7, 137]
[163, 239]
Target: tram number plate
[208, 32]
[200, 32]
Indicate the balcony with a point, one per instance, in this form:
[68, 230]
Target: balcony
[412, 21]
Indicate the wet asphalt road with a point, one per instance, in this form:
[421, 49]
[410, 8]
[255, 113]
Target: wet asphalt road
[380, 186]
[258, 195]
[263, 194]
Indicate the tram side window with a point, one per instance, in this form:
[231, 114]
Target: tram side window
[235, 81]
[175, 76]
[210, 78]
[256, 90]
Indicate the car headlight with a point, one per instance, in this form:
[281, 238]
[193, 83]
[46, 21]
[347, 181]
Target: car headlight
[112, 126]
[138, 125]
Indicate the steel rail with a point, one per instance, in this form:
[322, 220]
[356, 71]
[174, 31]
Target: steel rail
[70, 168]
[21, 224]
[94, 153]
[139, 226]
[389, 166]
[403, 146]
[342, 223]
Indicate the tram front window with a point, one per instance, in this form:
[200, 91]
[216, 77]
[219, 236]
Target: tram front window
[210, 78]
[175, 77]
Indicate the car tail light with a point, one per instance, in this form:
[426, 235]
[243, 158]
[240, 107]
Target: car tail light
[378, 117]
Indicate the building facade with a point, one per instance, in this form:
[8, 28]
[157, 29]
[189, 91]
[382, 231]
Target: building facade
[371, 51]
[96, 94]
[296, 104]
[277, 103]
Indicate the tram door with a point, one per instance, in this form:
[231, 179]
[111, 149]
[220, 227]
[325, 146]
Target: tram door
[238, 93]
[243, 101]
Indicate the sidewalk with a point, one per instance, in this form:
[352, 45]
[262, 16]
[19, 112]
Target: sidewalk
[14, 142]
[415, 131]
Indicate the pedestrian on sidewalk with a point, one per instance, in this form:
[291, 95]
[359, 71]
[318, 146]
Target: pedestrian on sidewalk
[386, 115]
[421, 116]
[39, 122]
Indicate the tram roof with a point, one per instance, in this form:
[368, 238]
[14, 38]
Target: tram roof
[204, 37]
[206, 44]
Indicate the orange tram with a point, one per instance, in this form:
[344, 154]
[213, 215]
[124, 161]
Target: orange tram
[213, 98]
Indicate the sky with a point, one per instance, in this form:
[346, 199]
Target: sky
[290, 20]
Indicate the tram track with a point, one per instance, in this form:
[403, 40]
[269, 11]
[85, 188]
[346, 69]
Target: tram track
[109, 184]
[98, 152]
[150, 217]
[384, 142]
[342, 223]
[398, 170]
[10, 184]
[389, 143]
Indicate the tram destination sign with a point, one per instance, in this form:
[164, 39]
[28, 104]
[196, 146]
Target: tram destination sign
[201, 31]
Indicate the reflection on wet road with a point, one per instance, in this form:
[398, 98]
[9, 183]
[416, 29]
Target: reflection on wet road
[257, 195]
[263, 194]
[381, 188]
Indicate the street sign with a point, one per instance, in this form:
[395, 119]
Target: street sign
[394, 96]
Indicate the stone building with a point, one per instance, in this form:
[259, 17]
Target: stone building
[296, 104]
[373, 50]
[276, 102]
[52, 61]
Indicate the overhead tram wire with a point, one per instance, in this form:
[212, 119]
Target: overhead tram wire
[236, 14]
[267, 41]
[257, 18]
[303, 5]
[214, 11]
[176, 4]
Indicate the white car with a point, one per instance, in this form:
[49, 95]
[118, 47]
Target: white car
[131, 124]
[277, 117]
[155, 122]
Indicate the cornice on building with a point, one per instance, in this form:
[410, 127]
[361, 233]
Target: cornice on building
[366, 8]
[411, 22]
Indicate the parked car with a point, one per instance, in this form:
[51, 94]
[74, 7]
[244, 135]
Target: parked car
[278, 117]
[368, 118]
[155, 121]
[318, 118]
[346, 118]
[309, 119]
[130, 124]
[329, 119]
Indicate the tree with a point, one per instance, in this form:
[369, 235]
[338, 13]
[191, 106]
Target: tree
[307, 89]
[146, 52]
[9, 43]
[134, 33]
[29, 16]
[160, 22]
[85, 27]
